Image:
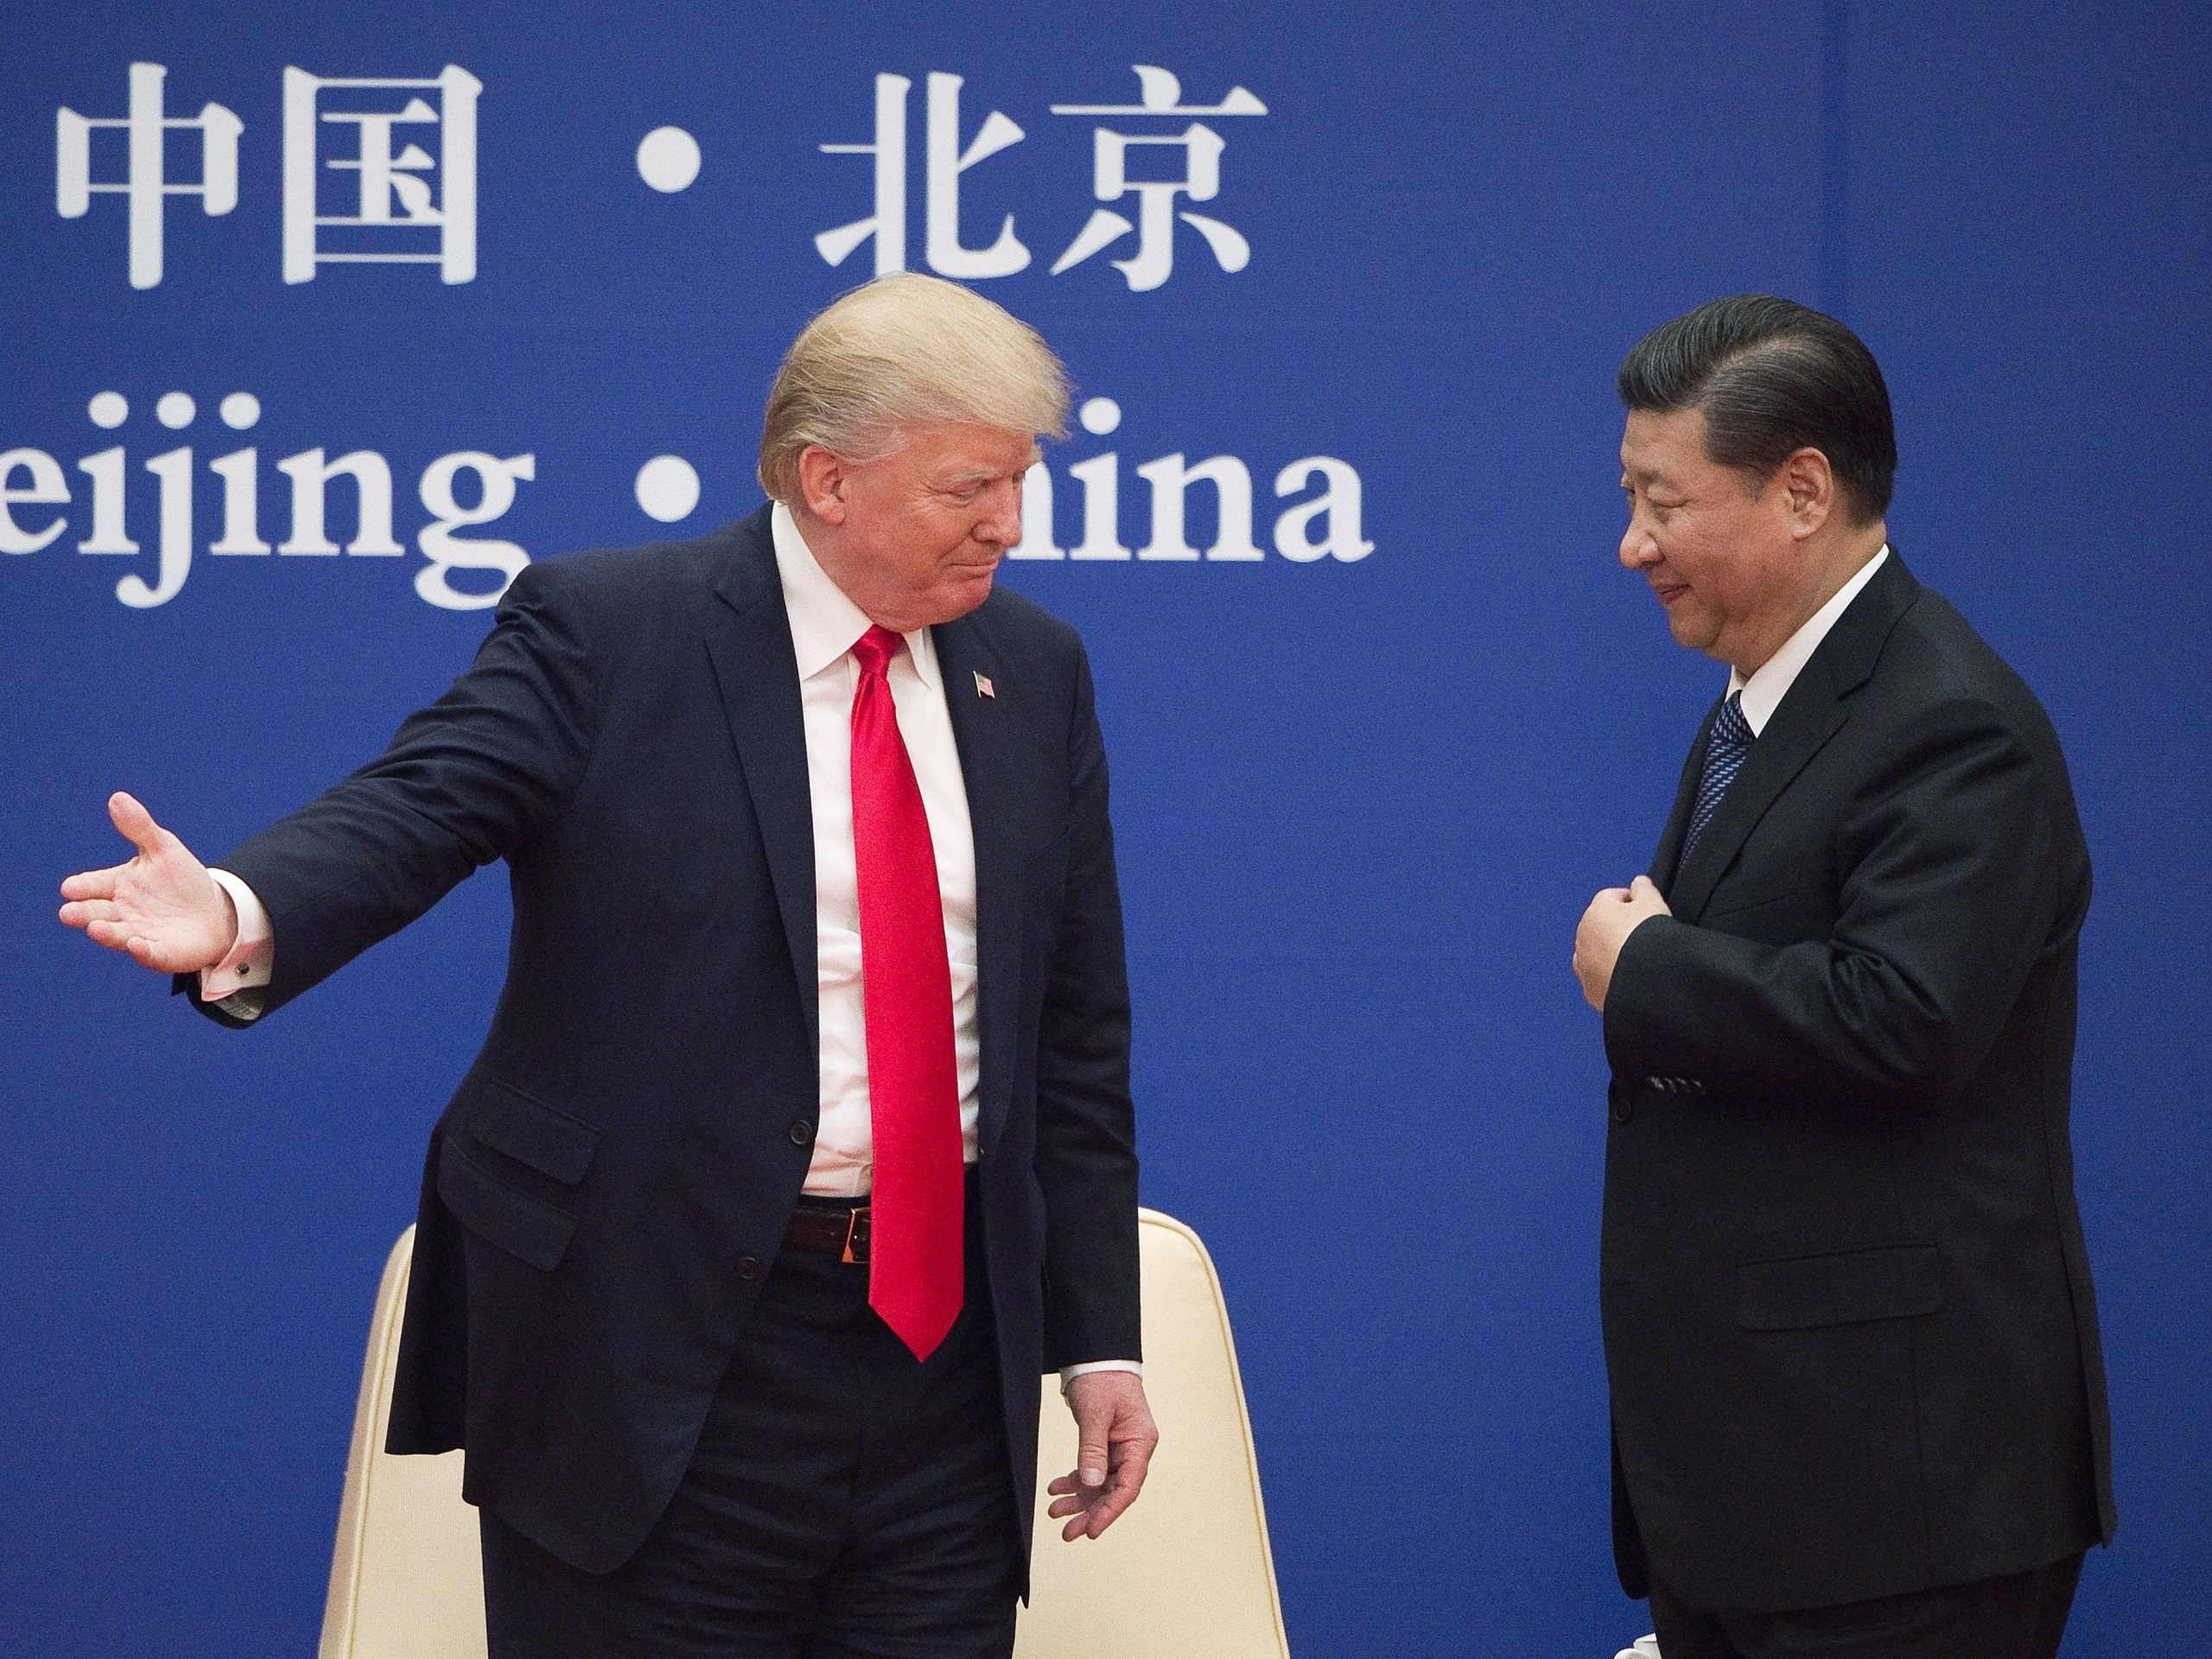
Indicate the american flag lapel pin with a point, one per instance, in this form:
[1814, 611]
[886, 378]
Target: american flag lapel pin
[983, 685]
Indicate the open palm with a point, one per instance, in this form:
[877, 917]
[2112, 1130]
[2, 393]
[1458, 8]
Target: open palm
[161, 907]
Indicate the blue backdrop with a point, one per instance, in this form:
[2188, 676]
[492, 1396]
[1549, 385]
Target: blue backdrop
[1384, 260]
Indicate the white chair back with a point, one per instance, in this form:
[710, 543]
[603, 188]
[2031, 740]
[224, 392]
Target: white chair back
[1186, 1573]
[407, 1576]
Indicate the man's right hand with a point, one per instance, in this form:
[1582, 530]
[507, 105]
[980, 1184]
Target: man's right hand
[162, 907]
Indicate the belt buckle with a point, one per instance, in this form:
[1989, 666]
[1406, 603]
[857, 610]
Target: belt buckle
[856, 1237]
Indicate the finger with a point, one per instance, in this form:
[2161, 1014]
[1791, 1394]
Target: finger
[1081, 1523]
[135, 824]
[92, 884]
[126, 937]
[83, 912]
[1060, 1486]
[1103, 1506]
[1128, 1481]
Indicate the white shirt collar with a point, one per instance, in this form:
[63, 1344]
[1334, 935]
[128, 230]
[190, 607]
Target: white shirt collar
[824, 621]
[1764, 691]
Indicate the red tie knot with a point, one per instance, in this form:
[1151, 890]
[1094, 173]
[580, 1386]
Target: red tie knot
[875, 649]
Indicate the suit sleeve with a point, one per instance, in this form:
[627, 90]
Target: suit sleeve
[464, 780]
[1949, 887]
[1086, 1132]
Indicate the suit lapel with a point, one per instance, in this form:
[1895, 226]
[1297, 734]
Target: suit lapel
[979, 732]
[1793, 737]
[1811, 712]
[748, 640]
[1670, 851]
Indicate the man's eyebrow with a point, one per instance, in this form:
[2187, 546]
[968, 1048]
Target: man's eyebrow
[981, 474]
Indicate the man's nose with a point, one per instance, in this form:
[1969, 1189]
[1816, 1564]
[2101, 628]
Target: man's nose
[1637, 549]
[1003, 523]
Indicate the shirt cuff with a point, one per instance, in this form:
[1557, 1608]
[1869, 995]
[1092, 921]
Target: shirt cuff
[234, 984]
[1069, 1373]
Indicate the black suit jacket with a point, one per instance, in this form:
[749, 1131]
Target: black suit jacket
[604, 1191]
[1849, 1328]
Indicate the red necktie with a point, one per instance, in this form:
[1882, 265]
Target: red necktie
[913, 1086]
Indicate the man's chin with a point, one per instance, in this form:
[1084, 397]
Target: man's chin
[963, 593]
[1689, 631]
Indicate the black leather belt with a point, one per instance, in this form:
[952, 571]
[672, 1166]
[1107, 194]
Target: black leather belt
[840, 1227]
[842, 1231]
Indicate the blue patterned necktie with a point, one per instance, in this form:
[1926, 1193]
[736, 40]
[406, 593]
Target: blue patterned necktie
[1725, 749]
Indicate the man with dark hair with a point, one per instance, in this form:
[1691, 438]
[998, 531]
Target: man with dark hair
[1858, 1398]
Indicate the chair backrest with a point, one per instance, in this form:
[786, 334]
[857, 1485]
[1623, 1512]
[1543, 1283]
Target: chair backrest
[1185, 1574]
[407, 1577]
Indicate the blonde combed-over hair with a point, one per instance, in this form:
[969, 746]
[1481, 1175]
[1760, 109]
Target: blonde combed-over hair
[903, 351]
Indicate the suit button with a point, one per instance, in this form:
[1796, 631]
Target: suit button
[802, 1132]
[1622, 1110]
[749, 1267]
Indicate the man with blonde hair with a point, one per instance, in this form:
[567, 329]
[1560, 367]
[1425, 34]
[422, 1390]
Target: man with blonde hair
[801, 1143]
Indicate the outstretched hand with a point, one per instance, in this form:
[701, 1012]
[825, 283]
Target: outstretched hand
[161, 907]
[1115, 1436]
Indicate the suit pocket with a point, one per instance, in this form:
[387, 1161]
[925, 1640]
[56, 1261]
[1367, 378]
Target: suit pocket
[523, 1226]
[526, 1129]
[1896, 1281]
[509, 1174]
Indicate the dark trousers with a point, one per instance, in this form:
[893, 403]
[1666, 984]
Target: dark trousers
[845, 1501]
[2021, 1616]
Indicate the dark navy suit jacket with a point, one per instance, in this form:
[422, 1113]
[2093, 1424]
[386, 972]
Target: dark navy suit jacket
[1849, 1327]
[604, 1192]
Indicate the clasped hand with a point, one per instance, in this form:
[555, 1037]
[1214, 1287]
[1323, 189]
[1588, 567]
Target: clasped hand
[1614, 914]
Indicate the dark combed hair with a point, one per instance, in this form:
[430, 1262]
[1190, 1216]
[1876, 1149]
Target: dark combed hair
[1773, 376]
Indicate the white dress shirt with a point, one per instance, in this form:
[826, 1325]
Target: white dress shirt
[1764, 691]
[825, 625]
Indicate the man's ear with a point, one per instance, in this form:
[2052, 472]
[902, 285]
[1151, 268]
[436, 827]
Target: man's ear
[822, 480]
[1808, 490]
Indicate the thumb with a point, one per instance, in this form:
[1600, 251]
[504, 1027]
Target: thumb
[1644, 887]
[1091, 1455]
[134, 822]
